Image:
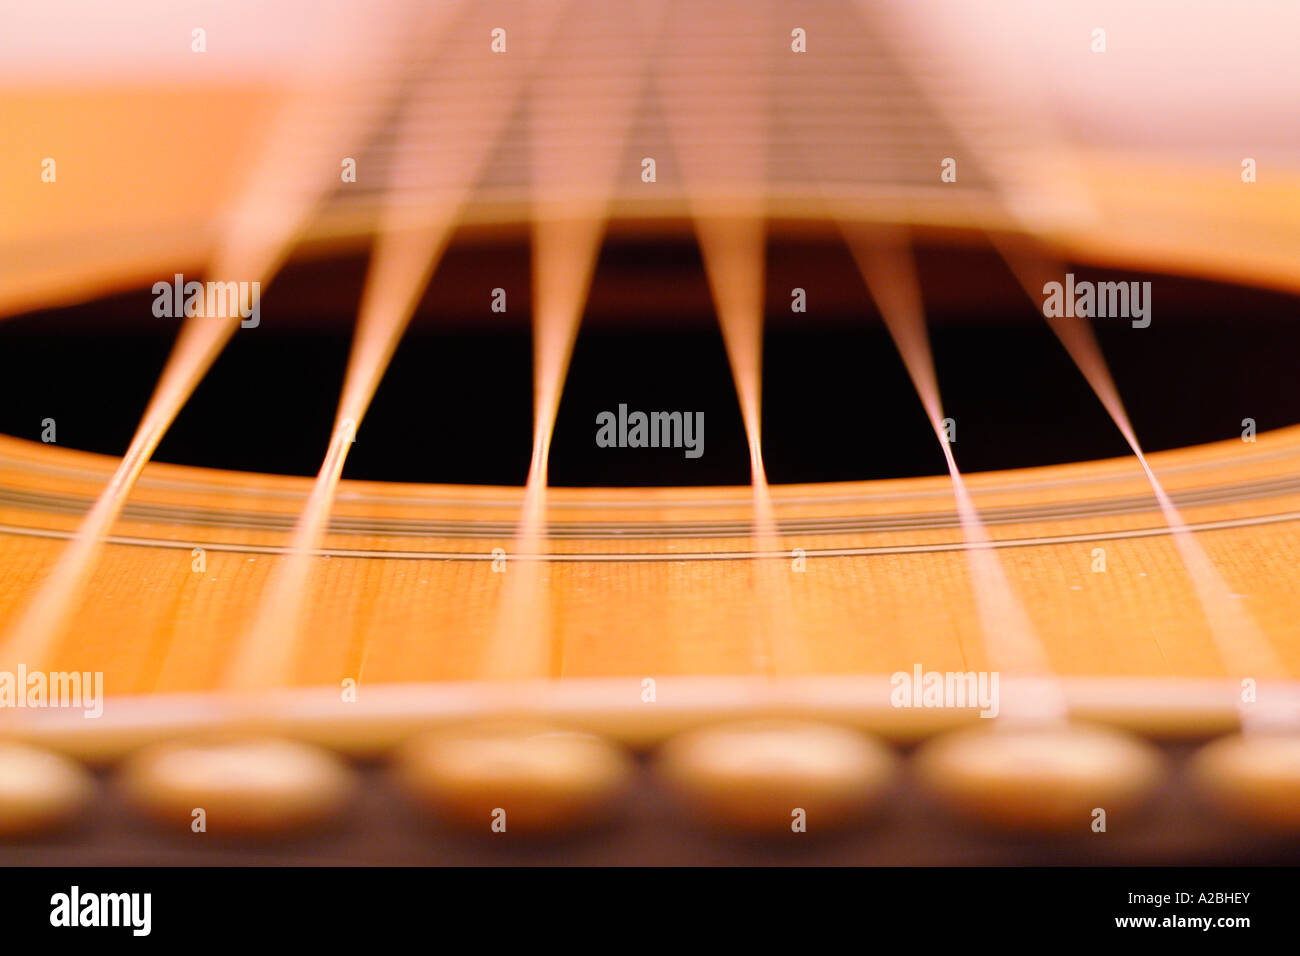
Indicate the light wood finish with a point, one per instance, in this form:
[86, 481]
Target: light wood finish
[132, 206]
[406, 587]
[655, 584]
[644, 584]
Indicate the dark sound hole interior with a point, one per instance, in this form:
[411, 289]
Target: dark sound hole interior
[455, 405]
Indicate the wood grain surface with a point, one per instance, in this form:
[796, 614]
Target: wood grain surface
[661, 583]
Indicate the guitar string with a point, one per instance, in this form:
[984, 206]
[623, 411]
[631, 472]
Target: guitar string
[566, 234]
[200, 347]
[709, 126]
[406, 253]
[885, 260]
[255, 239]
[1241, 643]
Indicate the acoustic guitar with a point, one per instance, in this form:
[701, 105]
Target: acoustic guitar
[856, 627]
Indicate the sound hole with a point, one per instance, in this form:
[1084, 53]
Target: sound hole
[455, 405]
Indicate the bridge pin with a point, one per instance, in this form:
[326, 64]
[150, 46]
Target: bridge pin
[1043, 778]
[772, 776]
[514, 778]
[1253, 778]
[241, 786]
[39, 790]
